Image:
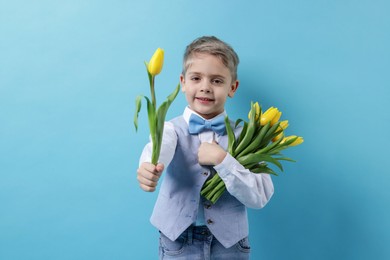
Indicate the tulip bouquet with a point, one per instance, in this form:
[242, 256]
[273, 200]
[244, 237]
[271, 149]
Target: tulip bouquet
[258, 145]
[156, 116]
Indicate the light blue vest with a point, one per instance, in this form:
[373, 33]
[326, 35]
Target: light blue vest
[177, 204]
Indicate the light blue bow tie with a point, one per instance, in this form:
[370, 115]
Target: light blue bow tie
[198, 125]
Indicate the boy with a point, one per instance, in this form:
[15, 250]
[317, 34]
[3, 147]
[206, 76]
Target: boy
[190, 226]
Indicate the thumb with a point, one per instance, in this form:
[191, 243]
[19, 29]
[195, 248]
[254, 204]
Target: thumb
[160, 167]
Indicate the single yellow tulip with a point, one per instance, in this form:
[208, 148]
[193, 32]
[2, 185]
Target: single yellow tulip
[298, 141]
[269, 115]
[156, 62]
[276, 118]
[257, 115]
[276, 138]
[282, 126]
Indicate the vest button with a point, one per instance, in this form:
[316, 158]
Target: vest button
[209, 221]
[205, 173]
[207, 206]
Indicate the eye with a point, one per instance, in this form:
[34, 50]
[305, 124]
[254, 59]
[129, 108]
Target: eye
[195, 78]
[217, 81]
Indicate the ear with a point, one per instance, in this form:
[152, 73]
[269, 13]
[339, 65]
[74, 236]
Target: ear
[233, 88]
[183, 83]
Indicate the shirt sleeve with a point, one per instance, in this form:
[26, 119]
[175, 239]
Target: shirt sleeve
[168, 146]
[254, 190]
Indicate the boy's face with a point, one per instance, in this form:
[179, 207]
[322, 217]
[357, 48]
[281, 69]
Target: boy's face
[206, 85]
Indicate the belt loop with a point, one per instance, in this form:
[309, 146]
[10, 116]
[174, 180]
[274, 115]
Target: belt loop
[189, 235]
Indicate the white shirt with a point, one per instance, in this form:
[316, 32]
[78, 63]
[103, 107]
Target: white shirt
[252, 190]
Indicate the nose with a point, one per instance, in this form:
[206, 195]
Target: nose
[206, 88]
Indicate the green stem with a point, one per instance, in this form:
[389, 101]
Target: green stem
[210, 184]
[218, 194]
[155, 155]
[152, 93]
[220, 185]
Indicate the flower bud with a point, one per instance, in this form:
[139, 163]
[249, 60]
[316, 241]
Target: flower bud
[282, 126]
[276, 118]
[297, 141]
[156, 62]
[257, 115]
[269, 115]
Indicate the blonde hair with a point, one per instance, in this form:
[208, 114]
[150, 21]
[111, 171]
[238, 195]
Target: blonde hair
[214, 46]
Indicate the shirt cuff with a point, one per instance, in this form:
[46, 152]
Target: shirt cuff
[227, 166]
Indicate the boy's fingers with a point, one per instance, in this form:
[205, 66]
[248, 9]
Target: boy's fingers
[149, 167]
[150, 181]
[153, 168]
[147, 188]
[148, 175]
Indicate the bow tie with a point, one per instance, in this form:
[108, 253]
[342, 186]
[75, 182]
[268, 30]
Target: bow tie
[198, 125]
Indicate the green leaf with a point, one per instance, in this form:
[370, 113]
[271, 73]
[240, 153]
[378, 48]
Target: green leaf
[271, 133]
[285, 159]
[264, 130]
[241, 136]
[137, 109]
[256, 141]
[152, 125]
[287, 143]
[249, 132]
[151, 116]
[160, 120]
[238, 121]
[275, 146]
[252, 158]
[263, 169]
[173, 95]
[230, 133]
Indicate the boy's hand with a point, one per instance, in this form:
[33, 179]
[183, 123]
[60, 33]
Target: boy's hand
[211, 154]
[148, 175]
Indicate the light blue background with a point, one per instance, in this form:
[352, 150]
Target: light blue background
[69, 74]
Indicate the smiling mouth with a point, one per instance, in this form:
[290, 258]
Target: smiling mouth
[204, 99]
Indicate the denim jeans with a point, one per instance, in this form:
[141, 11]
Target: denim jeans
[197, 243]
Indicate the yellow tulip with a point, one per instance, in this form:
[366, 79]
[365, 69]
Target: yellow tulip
[257, 115]
[298, 141]
[276, 138]
[269, 115]
[282, 126]
[156, 62]
[276, 118]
